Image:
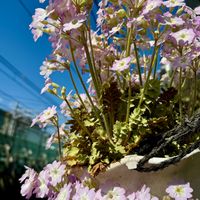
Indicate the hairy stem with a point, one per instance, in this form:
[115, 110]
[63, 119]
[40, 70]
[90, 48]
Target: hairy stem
[91, 67]
[156, 63]
[180, 95]
[149, 74]
[137, 62]
[83, 84]
[194, 93]
[172, 78]
[77, 92]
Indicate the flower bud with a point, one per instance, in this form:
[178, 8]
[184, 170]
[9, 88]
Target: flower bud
[113, 22]
[63, 91]
[52, 91]
[55, 85]
[114, 1]
[180, 10]
[121, 13]
[109, 10]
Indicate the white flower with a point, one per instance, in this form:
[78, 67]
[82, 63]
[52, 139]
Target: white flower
[48, 114]
[173, 3]
[44, 118]
[121, 65]
[185, 35]
[180, 192]
[74, 24]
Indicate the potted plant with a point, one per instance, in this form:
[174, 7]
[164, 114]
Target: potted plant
[141, 60]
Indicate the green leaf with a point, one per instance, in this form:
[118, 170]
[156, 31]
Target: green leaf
[89, 122]
[153, 90]
[73, 151]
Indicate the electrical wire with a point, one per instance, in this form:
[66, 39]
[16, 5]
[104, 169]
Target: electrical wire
[21, 85]
[25, 8]
[26, 80]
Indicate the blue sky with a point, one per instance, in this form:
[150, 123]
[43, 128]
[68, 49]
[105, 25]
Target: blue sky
[20, 50]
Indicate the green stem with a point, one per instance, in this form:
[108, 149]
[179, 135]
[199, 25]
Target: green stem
[93, 59]
[148, 76]
[194, 93]
[128, 51]
[172, 78]
[180, 96]
[59, 142]
[91, 67]
[137, 62]
[95, 110]
[129, 100]
[55, 122]
[97, 87]
[77, 92]
[128, 45]
[155, 63]
[83, 84]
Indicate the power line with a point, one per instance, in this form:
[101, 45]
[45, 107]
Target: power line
[21, 85]
[28, 82]
[25, 8]
[8, 96]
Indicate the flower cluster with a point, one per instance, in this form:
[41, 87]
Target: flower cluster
[141, 60]
[46, 117]
[55, 183]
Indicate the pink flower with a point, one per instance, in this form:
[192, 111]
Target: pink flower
[37, 25]
[151, 5]
[45, 117]
[28, 173]
[48, 83]
[29, 178]
[144, 193]
[197, 10]
[121, 65]
[36, 33]
[182, 61]
[65, 192]
[56, 172]
[131, 196]
[175, 21]
[46, 68]
[84, 193]
[173, 3]
[47, 114]
[180, 192]
[53, 137]
[117, 193]
[74, 24]
[42, 189]
[184, 35]
[49, 66]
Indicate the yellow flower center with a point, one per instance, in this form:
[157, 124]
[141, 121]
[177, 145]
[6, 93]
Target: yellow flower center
[179, 190]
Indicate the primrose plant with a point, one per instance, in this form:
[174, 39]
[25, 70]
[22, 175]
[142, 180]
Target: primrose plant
[141, 59]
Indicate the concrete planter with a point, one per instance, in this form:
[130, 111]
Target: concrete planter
[187, 170]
